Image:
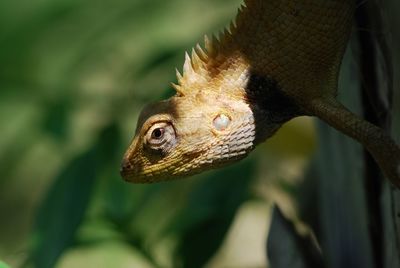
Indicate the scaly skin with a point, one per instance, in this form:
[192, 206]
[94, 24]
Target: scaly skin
[279, 61]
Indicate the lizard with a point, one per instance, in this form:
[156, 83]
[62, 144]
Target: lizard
[279, 59]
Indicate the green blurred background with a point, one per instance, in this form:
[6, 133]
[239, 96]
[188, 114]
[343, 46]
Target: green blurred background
[73, 76]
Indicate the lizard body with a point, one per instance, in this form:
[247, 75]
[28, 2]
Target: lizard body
[280, 59]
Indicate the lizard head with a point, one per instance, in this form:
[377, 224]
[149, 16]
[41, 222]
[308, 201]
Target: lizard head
[212, 121]
[185, 135]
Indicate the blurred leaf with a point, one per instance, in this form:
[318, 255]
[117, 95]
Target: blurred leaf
[56, 119]
[391, 197]
[209, 213]
[162, 57]
[286, 248]
[63, 209]
[123, 204]
[306, 194]
[345, 238]
[3, 265]
[65, 205]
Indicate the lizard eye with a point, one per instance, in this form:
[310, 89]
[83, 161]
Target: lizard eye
[160, 136]
[157, 133]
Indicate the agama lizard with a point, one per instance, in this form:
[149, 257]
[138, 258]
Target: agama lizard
[280, 59]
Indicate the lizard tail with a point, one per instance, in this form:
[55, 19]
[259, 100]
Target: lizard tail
[381, 146]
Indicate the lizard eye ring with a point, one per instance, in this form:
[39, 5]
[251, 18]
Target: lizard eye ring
[160, 136]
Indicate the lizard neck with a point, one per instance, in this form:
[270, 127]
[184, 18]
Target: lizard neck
[299, 44]
[271, 107]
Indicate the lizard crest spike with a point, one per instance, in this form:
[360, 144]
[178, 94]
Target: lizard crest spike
[196, 61]
[178, 75]
[187, 66]
[200, 52]
[178, 89]
[194, 73]
[279, 59]
[207, 44]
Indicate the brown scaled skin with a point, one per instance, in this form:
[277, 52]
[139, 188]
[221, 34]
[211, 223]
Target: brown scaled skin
[185, 135]
[280, 60]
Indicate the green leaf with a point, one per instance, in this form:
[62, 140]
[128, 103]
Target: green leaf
[56, 121]
[3, 265]
[64, 207]
[210, 210]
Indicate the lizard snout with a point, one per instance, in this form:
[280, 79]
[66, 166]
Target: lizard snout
[125, 169]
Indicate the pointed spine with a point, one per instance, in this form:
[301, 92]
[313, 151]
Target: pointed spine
[200, 52]
[232, 27]
[178, 89]
[196, 61]
[208, 45]
[178, 76]
[215, 43]
[187, 66]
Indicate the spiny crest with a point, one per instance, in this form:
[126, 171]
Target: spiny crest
[197, 67]
[194, 71]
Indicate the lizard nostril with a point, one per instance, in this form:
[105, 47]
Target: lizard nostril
[125, 167]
